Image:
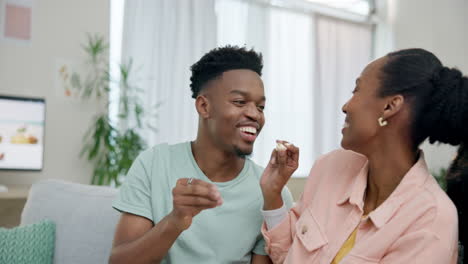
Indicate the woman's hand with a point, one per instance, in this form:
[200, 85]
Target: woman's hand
[284, 161]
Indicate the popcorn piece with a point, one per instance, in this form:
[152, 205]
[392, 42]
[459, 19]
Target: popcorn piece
[280, 146]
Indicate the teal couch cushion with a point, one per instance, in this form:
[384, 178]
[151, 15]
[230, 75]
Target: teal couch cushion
[32, 243]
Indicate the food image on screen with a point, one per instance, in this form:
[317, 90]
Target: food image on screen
[22, 137]
[22, 123]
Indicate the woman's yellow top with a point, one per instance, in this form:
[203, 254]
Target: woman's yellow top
[347, 246]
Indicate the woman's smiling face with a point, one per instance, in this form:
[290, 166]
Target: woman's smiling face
[363, 109]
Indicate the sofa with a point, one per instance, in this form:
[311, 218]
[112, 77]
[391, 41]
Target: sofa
[84, 218]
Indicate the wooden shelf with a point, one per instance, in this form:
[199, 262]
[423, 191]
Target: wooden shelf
[16, 192]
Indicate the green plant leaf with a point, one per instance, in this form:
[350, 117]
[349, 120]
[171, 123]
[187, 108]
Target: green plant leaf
[440, 176]
[110, 148]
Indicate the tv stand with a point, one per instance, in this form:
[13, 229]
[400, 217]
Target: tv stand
[15, 191]
[12, 203]
[3, 188]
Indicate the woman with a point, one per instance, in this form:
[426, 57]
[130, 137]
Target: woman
[457, 177]
[375, 201]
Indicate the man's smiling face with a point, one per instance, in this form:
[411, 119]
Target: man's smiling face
[237, 100]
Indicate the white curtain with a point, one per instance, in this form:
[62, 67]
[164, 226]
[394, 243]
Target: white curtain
[310, 64]
[343, 50]
[383, 37]
[285, 38]
[288, 84]
[164, 38]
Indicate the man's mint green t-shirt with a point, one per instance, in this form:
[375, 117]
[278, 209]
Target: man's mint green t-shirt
[229, 233]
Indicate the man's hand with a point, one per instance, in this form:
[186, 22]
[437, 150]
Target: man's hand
[283, 162]
[190, 198]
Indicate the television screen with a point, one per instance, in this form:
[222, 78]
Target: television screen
[22, 123]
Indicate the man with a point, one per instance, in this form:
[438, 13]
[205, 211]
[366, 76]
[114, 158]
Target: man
[213, 213]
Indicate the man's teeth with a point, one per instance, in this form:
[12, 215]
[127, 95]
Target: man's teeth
[346, 124]
[251, 130]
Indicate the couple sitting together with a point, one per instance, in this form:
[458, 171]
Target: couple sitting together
[373, 201]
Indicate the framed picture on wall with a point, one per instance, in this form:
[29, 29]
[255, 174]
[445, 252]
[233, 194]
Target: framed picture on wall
[16, 20]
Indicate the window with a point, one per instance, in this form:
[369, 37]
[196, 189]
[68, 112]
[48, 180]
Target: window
[311, 62]
[361, 7]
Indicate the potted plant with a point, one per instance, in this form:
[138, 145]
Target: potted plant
[111, 145]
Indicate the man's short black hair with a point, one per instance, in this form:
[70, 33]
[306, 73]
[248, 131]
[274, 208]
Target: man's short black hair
[220, 60]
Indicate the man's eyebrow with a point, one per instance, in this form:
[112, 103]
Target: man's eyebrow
[238, 92]
[244, 94]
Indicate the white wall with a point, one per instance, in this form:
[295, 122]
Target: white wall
[440, 27]
[59, 27]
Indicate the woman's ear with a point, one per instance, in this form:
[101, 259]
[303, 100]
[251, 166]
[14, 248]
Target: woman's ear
[202, 104]
[393, 106]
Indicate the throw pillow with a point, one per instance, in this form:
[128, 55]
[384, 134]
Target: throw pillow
[33, 243]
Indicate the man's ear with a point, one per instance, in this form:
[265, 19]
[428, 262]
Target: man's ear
[393, 106]
[203, 106]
